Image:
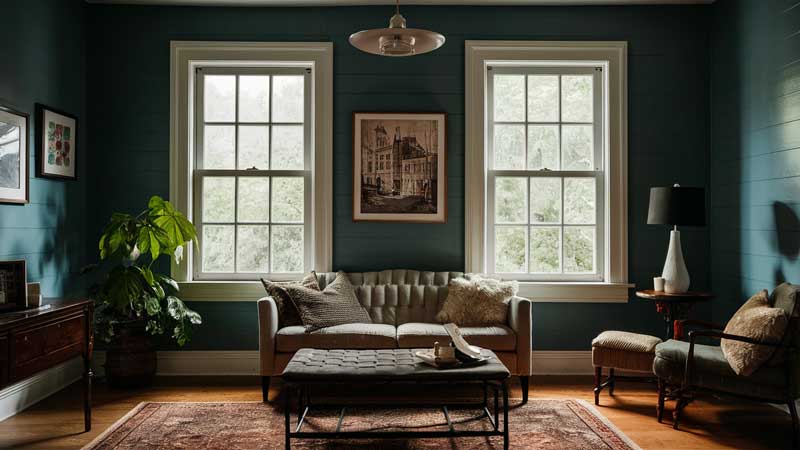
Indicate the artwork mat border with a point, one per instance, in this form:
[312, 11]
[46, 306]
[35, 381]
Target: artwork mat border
[20, 267]
[24, 169]
[442, 167]
[40, 147]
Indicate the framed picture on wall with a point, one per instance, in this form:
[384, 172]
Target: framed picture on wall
[13, 156]
[13, 285]
[57, 133]
[399, 167]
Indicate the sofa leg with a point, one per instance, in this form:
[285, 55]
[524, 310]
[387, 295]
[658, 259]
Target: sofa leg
[598, 377]
[795, 423]
[265, 389]
[524, 382]
[662, 393]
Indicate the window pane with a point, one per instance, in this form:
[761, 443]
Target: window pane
[545, 249]
[218, 248]
[287, 248]
[253, 199]
[545, 200]
[287, 98]
[252, 252]
[542, 147]
[576, 98]
[287, 199]
[510, 249]
[511, 201]
[218, 204]
[219, 96]
[218, 147]
[579, 249]
[287, 147]
[579, 200]
[509, 147]
[254, 147]
[543, 98]
[577, 147]
[254, 98]
[509, 98]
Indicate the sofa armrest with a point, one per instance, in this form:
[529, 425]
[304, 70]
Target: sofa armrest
[267, 330]
[520, 320]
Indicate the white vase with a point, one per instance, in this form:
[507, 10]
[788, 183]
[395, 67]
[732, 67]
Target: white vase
[676, 277]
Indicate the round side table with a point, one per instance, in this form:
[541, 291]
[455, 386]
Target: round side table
[674, 306]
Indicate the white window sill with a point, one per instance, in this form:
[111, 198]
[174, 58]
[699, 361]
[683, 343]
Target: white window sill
[575, 292]
[538, 292]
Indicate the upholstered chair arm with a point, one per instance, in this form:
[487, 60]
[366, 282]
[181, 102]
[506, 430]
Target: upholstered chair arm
[267, 330]
[680, 327]
[520, 320]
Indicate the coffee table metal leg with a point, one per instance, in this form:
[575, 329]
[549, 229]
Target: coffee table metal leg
[496, 408]
[505, 415]
[286, 415]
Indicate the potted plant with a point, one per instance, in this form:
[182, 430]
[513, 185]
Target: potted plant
[134, 302]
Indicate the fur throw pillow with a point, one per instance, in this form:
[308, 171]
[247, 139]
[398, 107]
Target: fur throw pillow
[756, 320]
[337, 304]
[477, 302]
[287, 312]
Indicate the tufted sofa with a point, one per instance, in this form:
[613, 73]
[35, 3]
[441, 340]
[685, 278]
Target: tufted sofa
[403, 305]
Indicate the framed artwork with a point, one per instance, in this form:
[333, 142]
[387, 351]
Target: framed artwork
[57, 132]
[399, 167]
[13, 285]
[13, 156]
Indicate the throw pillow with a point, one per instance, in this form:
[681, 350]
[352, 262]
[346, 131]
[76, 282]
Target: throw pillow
[337, 304]
[477, 302]
[756, 320]
[287, 312]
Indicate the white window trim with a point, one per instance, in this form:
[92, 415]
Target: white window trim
[184, 58]
[613, 55]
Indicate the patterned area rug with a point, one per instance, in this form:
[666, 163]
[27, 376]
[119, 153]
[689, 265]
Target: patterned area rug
[541, 424]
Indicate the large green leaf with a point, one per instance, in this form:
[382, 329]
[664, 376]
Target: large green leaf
[179, 230]
[123, 287]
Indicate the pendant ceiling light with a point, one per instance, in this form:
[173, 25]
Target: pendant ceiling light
[397, 40]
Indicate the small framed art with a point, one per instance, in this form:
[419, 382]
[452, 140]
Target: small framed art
[56, 152]
[13, 156]
[399, 167]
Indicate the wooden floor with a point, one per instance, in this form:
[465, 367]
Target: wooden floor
[57, 422]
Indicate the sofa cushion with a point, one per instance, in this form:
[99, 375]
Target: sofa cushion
[477, 302]
[287, 312]
[335, 305]
[349, 336]
[500, 337]
[712, 371]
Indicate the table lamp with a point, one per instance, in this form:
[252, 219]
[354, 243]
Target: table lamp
[676, 205]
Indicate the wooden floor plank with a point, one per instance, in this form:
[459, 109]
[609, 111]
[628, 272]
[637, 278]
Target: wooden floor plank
[709, 423]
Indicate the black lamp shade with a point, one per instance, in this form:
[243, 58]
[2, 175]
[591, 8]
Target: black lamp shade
[677, 205]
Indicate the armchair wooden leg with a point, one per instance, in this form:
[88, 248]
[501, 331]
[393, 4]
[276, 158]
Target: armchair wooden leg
[598, 377]
[681, 403]
[795, 423]
[524, 382]
[265, 389]
[662, 393]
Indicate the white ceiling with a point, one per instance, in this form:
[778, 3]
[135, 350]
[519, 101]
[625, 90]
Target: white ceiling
[391, 2]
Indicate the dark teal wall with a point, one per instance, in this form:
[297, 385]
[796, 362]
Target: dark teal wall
[668, 83]
[755, 149]
[43, 59]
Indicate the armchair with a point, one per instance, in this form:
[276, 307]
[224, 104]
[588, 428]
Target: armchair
[692, 367]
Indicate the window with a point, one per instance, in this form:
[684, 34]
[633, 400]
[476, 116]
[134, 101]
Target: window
[253, 171]
[251, 135]
[546, 167]
[545, 178]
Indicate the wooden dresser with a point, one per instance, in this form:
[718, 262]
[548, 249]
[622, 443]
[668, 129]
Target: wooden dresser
[34, 340]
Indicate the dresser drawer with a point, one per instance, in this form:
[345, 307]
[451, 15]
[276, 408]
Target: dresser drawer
[41, 347]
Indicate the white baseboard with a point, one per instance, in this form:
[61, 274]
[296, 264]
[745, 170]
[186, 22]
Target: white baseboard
[19, 396]
[246, 362]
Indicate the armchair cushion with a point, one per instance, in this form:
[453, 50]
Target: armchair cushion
[712, 371]
[756, 320]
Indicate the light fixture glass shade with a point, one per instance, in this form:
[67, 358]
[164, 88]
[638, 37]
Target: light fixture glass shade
[397, 40]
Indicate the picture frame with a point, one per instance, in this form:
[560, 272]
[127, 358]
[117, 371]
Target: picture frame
[56, 151]
[13, 285]
[400, 167]
[14, 156]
